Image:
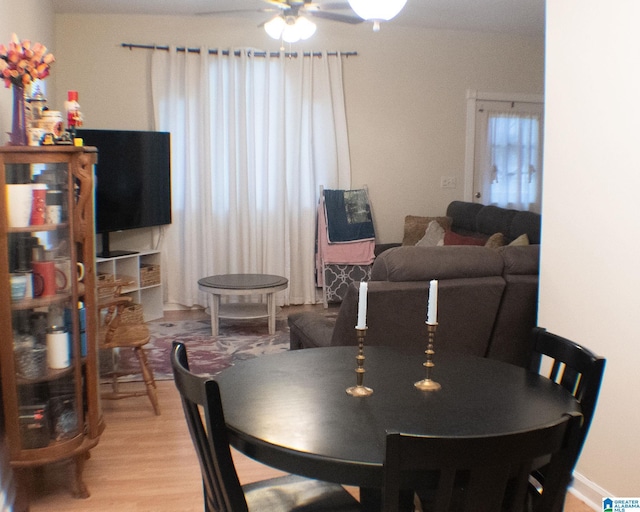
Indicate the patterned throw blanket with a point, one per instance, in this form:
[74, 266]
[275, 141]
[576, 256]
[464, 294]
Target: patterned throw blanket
[348, 215]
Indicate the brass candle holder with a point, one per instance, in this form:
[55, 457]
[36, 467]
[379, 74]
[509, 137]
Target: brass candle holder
[427, 384]
[359, 389]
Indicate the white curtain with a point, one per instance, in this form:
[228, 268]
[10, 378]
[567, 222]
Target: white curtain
[508, 153]
[514, 149]
[253, 138]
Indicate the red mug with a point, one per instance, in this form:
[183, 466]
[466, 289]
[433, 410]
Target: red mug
[44, 278]
[38, 204]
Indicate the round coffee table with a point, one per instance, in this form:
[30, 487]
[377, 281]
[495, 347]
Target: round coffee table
[242, 284]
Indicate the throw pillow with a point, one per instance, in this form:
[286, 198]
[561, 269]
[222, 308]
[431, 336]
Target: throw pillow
[496, 240]
[451, 238]
[433, 236]
[521, 240]
[415, 227]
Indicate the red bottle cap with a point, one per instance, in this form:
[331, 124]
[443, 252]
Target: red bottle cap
[72, 95]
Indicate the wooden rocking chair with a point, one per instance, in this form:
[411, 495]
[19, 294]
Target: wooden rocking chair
[122, 326]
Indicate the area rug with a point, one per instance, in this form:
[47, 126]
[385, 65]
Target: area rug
[208, 355]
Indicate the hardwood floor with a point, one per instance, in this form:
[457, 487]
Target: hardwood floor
[146, 463]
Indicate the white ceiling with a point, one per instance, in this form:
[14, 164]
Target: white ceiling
[507, 16]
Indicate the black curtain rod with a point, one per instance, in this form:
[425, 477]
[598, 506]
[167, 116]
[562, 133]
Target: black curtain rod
[131, 46]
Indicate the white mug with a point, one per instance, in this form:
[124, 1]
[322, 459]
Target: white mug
[35, 135]
[63, 278]
[19, 198]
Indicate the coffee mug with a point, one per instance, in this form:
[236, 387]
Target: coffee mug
[45, 277]
[63, 274]
[19, 198]
[18, 287]
[34, 135]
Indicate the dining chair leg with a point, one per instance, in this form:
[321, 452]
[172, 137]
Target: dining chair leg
[147, 376]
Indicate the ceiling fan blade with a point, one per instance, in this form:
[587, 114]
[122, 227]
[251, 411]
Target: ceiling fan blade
[333, 6]
[278, 3]
[260, 25]
[334, 16]
[236, 11]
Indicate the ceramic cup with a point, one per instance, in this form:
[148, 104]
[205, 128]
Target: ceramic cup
[45, 277]
[63, 273]
[18, 287]
[35, 136]
[19, 198]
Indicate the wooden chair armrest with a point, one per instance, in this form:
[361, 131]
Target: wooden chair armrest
[114, 301]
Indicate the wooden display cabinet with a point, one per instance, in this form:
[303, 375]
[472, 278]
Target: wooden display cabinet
[50, 402]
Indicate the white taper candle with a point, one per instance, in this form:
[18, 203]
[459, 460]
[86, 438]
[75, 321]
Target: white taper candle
[432, 309]
[362, 306]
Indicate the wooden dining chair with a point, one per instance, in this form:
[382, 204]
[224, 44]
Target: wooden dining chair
[221, 486]
[576, 369]
[122, 327]
[481, 473]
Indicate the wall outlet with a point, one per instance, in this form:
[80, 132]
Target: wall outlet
[447, 182]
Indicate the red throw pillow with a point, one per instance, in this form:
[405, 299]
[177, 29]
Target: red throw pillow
[451, 238]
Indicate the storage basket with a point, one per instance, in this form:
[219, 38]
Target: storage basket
[132, 314]
[149, 274]
[105, 290]
[103, 277]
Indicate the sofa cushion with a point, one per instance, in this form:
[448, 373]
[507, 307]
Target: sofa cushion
[519, 306]
[463, 215]
[521, 259]
[415, 227]
[471, 218]
[396, 314]
[493, 219]
[525, 222]
[494, 241]
[309, 330]
[433, 236]
[521, 240]
[452, 238]
[424, 263]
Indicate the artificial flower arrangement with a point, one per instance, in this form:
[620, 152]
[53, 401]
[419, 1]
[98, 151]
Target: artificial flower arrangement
[23, 62]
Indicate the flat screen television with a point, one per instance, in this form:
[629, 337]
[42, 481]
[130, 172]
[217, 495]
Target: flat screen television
[133, 181]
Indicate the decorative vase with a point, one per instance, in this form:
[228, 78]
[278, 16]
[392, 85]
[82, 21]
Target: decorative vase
[19, 124]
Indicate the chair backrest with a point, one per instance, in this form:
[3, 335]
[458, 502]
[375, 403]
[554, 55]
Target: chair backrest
[480, 474]
[575, 368]
[222, 490]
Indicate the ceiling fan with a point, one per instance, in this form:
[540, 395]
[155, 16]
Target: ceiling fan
[291, 21]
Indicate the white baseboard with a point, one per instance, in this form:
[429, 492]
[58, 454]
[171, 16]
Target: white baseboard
[587, 491]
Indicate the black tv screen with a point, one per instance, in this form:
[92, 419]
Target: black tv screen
[133, 178]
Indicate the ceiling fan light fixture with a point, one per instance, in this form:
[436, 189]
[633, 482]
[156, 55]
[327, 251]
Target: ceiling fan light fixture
[275, 26]
[306, 28]
[290, 29]
[377, 10]
[290, 34]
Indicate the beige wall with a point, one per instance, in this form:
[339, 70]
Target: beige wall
[590, 276]
[405, 91]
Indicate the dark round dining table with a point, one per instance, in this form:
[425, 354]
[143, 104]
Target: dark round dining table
[291, 411]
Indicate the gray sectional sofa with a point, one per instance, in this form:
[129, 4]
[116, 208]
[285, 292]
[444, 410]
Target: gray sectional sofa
[487, 299]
